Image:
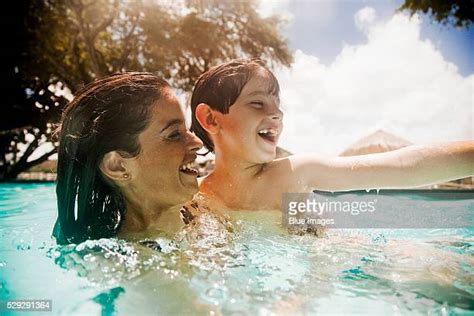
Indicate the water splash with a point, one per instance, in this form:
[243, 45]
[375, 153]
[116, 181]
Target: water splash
[242, 264]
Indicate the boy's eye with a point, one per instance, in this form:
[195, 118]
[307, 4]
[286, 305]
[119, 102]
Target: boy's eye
[257, 104]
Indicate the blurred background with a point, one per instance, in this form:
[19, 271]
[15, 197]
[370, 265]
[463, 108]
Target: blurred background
[356, 76]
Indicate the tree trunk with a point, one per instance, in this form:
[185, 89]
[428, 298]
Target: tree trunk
[10, 173]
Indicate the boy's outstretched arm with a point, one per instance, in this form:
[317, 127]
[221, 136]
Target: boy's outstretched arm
[407, 167]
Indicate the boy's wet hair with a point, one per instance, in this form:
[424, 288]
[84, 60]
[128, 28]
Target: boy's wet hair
[220, 86]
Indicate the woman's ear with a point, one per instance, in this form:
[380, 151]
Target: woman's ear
[207, 118]
[113, 167]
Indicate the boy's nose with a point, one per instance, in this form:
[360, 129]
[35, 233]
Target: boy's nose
[276, 114]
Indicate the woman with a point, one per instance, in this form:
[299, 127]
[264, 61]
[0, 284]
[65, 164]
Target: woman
[124, 160]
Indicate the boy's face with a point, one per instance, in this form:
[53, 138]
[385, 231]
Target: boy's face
[254, 123]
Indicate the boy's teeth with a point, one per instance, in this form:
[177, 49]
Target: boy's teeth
[270, 131]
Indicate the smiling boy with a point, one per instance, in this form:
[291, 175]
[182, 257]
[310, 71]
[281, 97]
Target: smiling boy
[236, 113]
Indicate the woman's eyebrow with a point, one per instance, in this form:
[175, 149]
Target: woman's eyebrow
[171, 123]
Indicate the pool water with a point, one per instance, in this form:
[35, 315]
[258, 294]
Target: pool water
[249, 265]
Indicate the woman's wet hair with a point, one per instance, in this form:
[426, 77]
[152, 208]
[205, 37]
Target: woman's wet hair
[106, 115]
[220, 86]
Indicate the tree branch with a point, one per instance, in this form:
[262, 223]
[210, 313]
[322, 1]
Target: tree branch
[102, 26]
[40, 159]
[126, 49]
[88, 40]
[29, 150]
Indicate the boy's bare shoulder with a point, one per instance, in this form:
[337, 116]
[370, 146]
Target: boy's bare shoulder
[279, 165]
[291, 173]
[290, 163]
[278, 174]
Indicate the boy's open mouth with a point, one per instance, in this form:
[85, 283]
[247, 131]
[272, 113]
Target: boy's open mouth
[188, 168]
[268, 134]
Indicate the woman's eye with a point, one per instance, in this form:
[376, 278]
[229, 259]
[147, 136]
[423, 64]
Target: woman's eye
[175, 136]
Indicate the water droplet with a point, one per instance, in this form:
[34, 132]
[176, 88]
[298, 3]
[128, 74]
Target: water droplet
[23, 246]
[216, 293]
[80, 247]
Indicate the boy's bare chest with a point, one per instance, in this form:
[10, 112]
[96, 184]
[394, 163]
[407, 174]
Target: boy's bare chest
[259, 194]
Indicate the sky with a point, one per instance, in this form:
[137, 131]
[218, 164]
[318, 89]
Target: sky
[359, 67]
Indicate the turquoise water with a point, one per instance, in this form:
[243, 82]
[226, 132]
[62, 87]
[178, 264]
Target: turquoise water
[249, 265]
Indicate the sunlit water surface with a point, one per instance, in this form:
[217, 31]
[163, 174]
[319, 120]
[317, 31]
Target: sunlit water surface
[249, 265]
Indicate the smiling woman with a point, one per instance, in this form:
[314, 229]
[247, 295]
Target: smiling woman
[123, 160]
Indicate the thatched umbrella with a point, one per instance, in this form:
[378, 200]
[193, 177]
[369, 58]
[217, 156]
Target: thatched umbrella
[381, 141]
[377, 142]
[280, 152]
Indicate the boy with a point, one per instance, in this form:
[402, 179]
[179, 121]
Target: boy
[236, 113]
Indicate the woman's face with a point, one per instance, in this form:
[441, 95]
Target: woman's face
[158, 174]
[253, 125]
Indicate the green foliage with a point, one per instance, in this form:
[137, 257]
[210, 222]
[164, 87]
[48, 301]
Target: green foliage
[86, 39]
[459, 13]
[67, 43]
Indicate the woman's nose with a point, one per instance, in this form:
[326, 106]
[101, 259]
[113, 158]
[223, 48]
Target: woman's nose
[194, 143]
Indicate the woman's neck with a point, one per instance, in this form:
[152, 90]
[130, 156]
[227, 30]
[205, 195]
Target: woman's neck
[141, 221]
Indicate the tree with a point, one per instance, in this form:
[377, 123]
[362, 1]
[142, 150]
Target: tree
[64, 44]
[459, 13]
[27, 107]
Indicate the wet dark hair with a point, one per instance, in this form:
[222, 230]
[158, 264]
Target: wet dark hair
[106, 115]
[220, 86]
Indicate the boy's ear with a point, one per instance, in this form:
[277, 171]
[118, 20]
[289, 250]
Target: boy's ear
[207, 118]
[113, 167]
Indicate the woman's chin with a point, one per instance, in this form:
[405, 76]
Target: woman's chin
[188, 187]
[190, 191]
[184, 198]
[188, 180]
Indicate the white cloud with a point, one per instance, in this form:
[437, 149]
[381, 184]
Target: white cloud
[396, 81]
[364, 18]
[267, 8]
